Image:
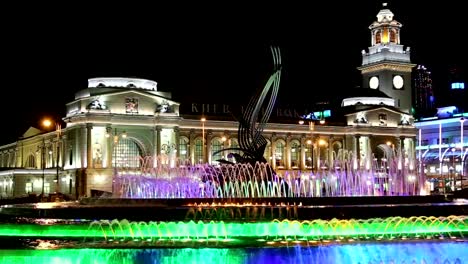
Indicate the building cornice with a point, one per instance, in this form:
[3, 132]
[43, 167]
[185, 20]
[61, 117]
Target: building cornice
[381, 66]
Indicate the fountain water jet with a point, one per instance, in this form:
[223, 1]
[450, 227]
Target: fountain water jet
[244, 180]
[417, 227]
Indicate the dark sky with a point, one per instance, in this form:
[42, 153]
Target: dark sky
[207, 52]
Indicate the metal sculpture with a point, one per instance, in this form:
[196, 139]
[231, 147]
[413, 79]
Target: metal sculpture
[252, 144]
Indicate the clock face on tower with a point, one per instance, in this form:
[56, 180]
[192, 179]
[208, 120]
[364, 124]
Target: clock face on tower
[398, 82]
[374, 82]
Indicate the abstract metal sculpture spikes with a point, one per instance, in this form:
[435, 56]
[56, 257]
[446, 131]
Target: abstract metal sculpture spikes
[252, 144]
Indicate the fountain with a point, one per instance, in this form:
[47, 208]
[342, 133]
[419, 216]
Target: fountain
[258, 233]
[246, 180]
[245, 212]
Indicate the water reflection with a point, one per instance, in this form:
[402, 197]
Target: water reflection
[378, 253]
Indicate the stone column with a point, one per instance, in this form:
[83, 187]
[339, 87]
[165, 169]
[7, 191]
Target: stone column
[63, 151]
[273, 149]
[369, 152]
[317, 156]
[287, 161]
[16, 158]
[343, 145]
[226, 143]
[357, 149]
[191, 146]
[109, 147]
[209, 137]
[89, 145]
[401, 143]
[399, 152]
[177, 141]
[157, 142]
[330, 153]
[302, 160]
[82, 143]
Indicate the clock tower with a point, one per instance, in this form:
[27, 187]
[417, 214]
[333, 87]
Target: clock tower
[387, 66]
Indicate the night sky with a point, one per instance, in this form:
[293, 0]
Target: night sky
[208, 53]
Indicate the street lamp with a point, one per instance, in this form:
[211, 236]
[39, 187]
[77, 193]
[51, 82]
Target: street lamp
[58, 129]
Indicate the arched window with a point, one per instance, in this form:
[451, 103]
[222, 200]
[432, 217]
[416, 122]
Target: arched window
[295, 153]
[183, 148]
[280, 153]
[127, 154]
[393, 36]
[216, 145]
[30, 161]
[377, 37]
[198, 151]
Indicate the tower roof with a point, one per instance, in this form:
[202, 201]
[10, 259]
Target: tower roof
[384, 15]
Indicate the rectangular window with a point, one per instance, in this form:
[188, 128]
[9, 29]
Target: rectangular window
[46, 187]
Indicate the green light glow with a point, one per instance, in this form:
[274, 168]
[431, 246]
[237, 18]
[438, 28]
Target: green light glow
[376, 228]
[123, 256]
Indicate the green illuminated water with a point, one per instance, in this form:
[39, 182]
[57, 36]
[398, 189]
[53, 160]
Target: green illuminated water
[122, 256]
[376, 228]
[369, 253]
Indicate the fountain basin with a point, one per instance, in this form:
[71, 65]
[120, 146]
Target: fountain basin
[256, 209]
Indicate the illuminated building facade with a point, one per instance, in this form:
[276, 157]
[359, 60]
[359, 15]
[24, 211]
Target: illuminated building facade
[114, 124]
[442, 148]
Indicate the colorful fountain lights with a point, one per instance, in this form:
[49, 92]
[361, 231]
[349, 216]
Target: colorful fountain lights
[246, 181]
[285, 230]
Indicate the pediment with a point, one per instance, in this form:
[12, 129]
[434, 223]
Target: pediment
[134, 102]
[377, 109]
[379, 116]
[32, 131]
